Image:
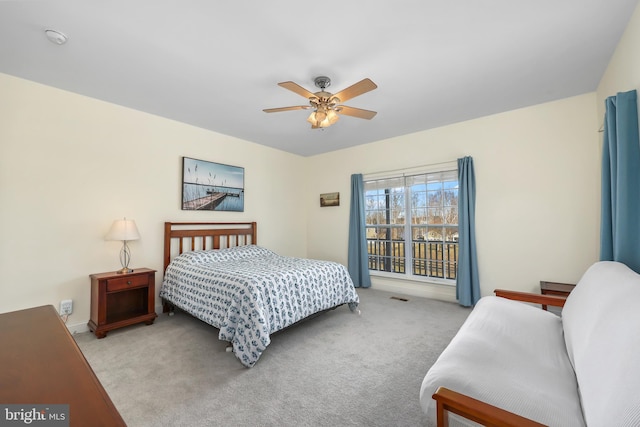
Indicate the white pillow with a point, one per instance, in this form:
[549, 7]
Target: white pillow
[223, 255]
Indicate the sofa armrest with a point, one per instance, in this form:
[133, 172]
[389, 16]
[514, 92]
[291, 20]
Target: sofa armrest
[531, 297]
[475, 410]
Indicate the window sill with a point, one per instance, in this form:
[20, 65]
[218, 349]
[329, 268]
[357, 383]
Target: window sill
[414, 279]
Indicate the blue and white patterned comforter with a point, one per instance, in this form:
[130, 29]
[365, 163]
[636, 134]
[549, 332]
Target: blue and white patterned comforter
[249, 292]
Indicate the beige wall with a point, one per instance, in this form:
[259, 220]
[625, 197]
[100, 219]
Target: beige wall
[623, 72]
[537, 178]
[70, 165]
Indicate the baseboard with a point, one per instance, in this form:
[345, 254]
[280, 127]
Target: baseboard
[78, 328]
[425, 290]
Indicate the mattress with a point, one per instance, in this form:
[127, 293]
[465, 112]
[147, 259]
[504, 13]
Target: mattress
[250, 292]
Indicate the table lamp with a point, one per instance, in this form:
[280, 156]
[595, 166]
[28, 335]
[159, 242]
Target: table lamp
[125, 230]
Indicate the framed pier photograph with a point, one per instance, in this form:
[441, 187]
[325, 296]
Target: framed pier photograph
[209, 186]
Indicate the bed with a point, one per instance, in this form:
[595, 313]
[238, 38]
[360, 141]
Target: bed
[217, 273]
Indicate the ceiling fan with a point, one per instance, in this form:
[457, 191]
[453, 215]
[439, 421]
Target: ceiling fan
[326, 106]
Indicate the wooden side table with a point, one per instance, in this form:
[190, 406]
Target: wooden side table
[119, 300]
[555, 288]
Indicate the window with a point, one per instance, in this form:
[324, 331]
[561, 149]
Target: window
[412, 225]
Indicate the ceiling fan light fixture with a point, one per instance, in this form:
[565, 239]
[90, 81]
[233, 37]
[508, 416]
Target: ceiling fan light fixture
[312, 119]
[322, 119]
[332, 117]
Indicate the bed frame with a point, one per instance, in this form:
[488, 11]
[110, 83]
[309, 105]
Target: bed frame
[180, 237]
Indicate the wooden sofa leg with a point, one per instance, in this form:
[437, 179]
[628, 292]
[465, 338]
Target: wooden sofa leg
[442, 415]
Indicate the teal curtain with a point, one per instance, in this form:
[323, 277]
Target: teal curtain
[358, 261]
[620, 215]
[467, 279]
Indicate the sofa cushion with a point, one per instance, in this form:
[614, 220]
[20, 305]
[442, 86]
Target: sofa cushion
[512, 355]
[601, 321]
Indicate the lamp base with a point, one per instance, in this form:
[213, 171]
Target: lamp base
[125, 270]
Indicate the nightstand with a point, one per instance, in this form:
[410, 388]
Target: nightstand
[555, 288]
[119, 300]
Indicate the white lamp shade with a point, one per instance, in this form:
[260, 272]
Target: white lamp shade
[123, 229]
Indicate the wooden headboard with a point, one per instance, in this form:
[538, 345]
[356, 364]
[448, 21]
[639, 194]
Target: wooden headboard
[182, 237]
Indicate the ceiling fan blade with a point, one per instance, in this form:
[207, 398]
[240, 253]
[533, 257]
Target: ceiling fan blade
[294, 87]
[276, 110]
[357, 112]
[363, 86]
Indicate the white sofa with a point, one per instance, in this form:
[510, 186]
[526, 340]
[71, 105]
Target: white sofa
[512, 363]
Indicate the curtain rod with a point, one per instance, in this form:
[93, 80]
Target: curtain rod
[452, 162]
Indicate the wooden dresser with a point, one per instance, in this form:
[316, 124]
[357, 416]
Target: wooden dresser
[40, 363]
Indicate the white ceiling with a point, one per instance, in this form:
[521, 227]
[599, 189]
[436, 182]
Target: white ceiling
[216, 64]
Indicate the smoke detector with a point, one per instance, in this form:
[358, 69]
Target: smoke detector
[56, 37]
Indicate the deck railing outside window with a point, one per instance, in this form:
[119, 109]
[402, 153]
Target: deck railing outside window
[436, 258]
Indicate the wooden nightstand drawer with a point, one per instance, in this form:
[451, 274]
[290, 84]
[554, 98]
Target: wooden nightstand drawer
[127, 282]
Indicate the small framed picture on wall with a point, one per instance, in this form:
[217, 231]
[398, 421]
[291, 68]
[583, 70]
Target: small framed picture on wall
[329, 199]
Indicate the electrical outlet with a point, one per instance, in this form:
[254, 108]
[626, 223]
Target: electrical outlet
[66, 307]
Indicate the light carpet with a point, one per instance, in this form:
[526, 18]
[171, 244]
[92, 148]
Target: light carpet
[338, 369]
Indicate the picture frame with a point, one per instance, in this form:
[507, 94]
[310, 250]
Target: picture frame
[329, 199]
[210, 186]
